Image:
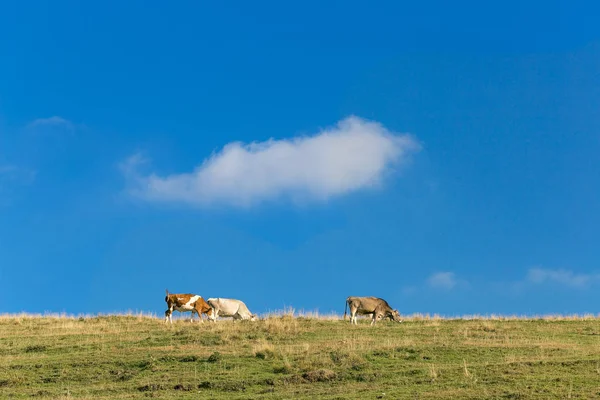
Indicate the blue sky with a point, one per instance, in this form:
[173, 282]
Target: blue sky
[444, 157]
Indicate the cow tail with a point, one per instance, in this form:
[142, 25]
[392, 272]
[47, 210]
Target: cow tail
[345, 308]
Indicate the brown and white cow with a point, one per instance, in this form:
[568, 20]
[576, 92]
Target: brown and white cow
[186, 302]
[230, 308]
[376, 307]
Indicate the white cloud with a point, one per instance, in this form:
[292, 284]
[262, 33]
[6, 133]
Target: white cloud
[442, 280]
[54, 121]
[353, 155]
[561, 276]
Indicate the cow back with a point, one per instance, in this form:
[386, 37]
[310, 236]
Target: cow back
[227, 306]
[368, 304]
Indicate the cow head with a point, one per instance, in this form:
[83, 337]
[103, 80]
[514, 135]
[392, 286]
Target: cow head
[253, 317]
[394, 315]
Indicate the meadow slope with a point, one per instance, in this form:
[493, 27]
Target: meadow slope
[289, 357]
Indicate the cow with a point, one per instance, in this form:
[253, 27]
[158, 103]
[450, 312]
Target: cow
[230, 308]
[184, 303]
[376, 307]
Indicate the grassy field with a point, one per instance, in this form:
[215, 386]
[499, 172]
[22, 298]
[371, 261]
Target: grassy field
[289, 357]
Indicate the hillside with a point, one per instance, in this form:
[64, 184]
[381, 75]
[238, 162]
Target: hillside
[118, 357]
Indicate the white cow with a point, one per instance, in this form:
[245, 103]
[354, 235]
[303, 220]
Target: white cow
[229, 308]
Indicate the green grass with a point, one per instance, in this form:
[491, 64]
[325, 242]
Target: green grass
[118, 357]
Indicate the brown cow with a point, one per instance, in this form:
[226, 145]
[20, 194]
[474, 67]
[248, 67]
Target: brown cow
[378, 308]
[184, 303]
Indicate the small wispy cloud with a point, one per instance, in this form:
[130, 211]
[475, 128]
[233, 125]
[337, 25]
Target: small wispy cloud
[6, 170]
[542, 278]
[442, 280]
[12, 177]
[353, 155]
[54, 122]
[16, 174]
[409, 290]
[562, 277]
[130, 166]
[438, 281]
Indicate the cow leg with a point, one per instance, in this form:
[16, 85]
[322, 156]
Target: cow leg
[169, 315]
[376, 316]
[356, 316]
[199, 313]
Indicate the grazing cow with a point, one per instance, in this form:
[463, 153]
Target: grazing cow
[230, 308]
[378, 308]
[184, 303]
